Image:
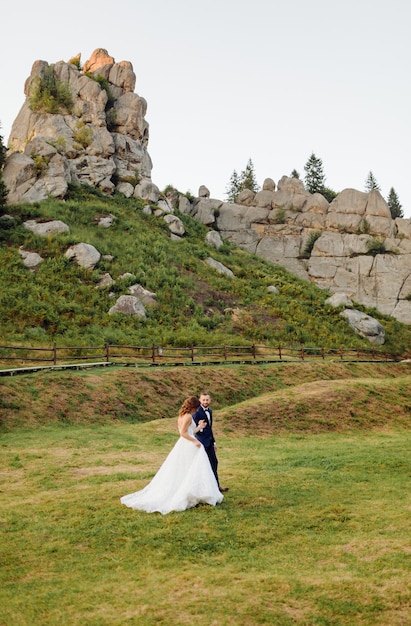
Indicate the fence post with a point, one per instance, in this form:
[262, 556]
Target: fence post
[253, 350]
[341, 353]
[192, 353]
[153, 353]
[279, 353]
[302, 352]
[107, 352]
[225, 352]
[54, 353]
[323, 353]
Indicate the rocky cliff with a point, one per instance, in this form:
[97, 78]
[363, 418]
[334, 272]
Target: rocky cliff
[98, 135]
[351, 246]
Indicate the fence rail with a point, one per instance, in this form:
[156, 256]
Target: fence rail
[128, 354]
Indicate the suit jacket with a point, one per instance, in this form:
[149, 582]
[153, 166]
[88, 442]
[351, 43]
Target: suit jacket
[206, 437]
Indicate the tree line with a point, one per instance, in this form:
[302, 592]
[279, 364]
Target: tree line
[314, 182]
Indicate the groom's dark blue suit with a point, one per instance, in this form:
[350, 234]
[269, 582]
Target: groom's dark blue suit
[206, 437]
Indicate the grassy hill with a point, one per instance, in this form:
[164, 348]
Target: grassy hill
[61, 302]
[313, 530]
[265, 399]
[316, 454]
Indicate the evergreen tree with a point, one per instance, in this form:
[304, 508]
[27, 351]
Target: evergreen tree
[314, 175]
[3, 188]
[245, 180]
[295, 174]
[394, 204]
[233, 188]
[371, 183]
[329, 194]
[248, 179]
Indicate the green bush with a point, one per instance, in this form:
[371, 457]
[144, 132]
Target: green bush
[279, 216]
[310, 244]
[83, 134]
[40, 164]
[50, 95]
[376, 246]
[364, 227]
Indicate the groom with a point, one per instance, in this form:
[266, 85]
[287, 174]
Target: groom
[205, 435]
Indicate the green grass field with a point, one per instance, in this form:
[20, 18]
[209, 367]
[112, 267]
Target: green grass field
[313, 531]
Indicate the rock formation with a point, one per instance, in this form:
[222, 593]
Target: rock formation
[97, 136]
[351, 246]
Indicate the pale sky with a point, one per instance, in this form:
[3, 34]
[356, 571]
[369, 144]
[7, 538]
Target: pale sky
[230, 80]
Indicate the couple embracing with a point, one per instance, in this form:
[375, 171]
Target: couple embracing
[188, 476]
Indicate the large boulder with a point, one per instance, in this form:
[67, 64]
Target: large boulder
[31, 260]
[366, 326]
[44, 229]
[128, 305]
[219, 267]
[84, 254]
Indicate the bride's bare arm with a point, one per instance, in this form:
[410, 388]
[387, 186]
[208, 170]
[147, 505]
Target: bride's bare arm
[184, 422]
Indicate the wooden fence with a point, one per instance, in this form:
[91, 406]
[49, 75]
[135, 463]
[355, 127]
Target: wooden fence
[125, 354]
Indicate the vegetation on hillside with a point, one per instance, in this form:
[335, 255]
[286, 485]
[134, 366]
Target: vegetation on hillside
[48, 94]
[61, 301]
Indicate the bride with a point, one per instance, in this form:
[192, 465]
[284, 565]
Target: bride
[185, 478]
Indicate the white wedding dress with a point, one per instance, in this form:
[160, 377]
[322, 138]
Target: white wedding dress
[184, 480]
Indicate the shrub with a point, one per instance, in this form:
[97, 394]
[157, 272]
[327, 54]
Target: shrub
[111, 119]
[50, 95]
[40, 163]
[329, 194]
[279, 216]
[75, 61]
[59, 144]
[310, 244]
[364, 227]
[83, 134]
[376, 246]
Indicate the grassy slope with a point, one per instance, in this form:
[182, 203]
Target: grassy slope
[297, 391]
[60, 302]
[314, 529]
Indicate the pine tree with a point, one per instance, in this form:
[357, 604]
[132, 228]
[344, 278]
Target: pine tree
[314, 175]
[233, 188]
[394, 204]
[248, 179]
[3, 188]
[295, 174]
[245, 180]
[371, 183]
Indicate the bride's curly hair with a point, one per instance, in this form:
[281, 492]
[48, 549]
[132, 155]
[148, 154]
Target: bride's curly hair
[190, 405]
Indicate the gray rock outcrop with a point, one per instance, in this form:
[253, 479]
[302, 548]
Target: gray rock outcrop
[350, 246]
[365, 326]
[99, 139]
